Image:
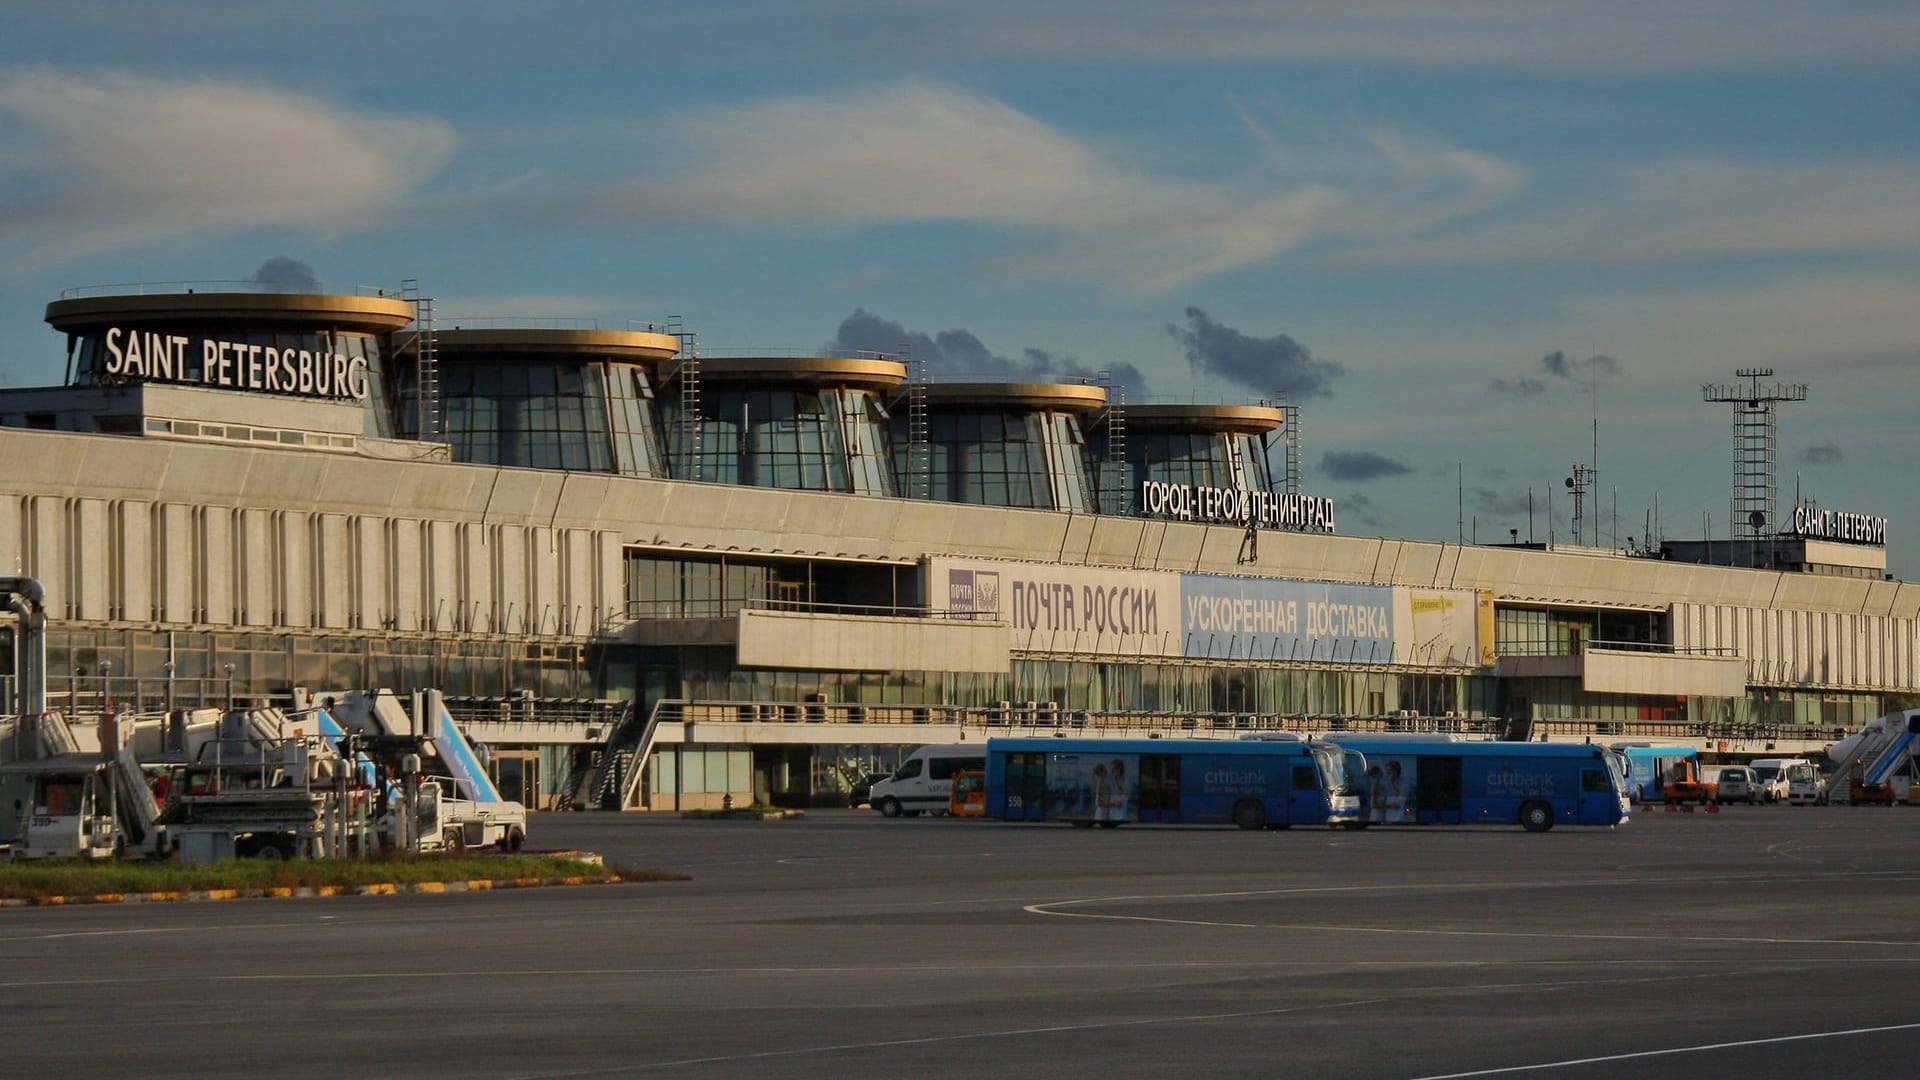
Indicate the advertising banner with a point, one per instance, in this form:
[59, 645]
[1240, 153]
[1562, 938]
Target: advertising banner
[1441, 626]
[1096, 611]
[1305, 621]
[1093, 787]
[1071, 609]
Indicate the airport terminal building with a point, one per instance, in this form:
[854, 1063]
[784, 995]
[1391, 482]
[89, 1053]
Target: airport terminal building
[628, 558]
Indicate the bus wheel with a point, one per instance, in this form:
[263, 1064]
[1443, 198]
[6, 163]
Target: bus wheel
[889, 807]
[1248, 814]
[1536, 817]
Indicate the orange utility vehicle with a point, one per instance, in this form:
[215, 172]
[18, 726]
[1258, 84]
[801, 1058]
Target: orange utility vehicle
[1861, 793]
[969, 798]
[1685, 785]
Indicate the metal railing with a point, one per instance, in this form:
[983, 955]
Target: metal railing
[169, 288]
[534, 710]
[521, 322]
[660, 610]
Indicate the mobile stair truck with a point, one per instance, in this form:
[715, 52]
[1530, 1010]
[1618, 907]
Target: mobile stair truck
[266, 787]
[1876, 765]
[59, 802]
[458, 806]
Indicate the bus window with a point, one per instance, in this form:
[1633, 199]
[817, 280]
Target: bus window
[1594, 780]
[1304, 778]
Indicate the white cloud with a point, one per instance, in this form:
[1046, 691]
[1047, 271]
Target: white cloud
[924, 153]
[100, 161]
[1689, 209]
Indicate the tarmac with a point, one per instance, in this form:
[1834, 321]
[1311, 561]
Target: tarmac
[1756, 942]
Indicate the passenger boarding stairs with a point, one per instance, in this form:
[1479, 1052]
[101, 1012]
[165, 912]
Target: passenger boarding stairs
[1881, 749]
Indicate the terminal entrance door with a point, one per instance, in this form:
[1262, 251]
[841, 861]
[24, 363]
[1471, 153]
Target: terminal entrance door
[517, 774]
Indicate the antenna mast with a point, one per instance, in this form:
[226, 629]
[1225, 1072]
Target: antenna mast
[1754, 407]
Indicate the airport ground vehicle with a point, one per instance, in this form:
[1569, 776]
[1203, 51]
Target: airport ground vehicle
[1685, 782]
[1109, 782]
[969, 798]
[1878, 763]
[467, 809]
[58, 802]
[1792, 780]
[924, 781]
[1413, 780]
[1736, 784]
[1650, 764]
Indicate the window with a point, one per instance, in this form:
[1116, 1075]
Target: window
[943, 768]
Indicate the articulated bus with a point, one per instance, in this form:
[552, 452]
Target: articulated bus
[1253, 784]
[1432, 780]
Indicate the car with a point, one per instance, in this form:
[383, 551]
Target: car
[1738, 784]
[862, 790]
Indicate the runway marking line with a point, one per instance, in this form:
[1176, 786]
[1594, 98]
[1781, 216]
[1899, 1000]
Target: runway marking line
[882, 1044]
[1571, 1062]
[1046, 908]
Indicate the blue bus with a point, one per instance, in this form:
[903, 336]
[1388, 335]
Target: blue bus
[1253, 784]
[1438, 780]
[1650, 764]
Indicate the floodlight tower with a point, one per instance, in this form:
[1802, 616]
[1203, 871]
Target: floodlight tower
[1753, 443]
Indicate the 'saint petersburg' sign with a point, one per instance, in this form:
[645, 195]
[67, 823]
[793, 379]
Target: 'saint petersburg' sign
[234, 365]
[1232, 506]
[1816, 524]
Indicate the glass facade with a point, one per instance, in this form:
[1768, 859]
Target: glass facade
[1002, 458]
[1567, 632]
[709, 673]
[672, 587]
[796, 437]
[1200, 458]
[581, 415]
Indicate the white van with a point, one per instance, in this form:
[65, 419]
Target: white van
[925, 780]
[1797, 780]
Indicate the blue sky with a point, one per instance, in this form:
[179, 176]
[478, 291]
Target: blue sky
[1396, 211]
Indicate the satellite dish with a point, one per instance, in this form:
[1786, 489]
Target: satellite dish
[1569, 481]
[1757, 519]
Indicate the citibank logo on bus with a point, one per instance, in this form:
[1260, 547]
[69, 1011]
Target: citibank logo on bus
[1241, 781]
[1519, 782]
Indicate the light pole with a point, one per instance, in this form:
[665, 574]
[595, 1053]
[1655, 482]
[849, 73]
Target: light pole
[169, 666]
[229, 670]
[106, 685]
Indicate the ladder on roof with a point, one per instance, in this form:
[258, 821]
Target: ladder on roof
[686, 373]
[1111, 483]
[426, 364]
[1290, 434]
[918, 483]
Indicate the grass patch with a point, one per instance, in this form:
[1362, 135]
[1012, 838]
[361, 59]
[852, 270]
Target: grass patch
[31, 881]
